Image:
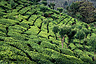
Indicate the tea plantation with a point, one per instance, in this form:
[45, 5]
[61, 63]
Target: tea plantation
[27, 37]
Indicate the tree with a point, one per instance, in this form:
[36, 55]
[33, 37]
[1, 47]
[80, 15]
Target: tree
[52, 5]
[92, 42]
[80, 35]
[63, 31]
[60, 9]
[12, 3]
[34, 1]
[83, 9]
[55, 30]
[86, 31]
[71, 34]
[66, 3]
[44, 2]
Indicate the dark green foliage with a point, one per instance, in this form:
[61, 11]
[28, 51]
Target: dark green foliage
[60, 9]
[86, 59]
[55, 11]
[12, 3]
[72, 34]
[66, 3]
[48, 14]
[52, 5]
[93, 42]
[64, 30]
[56, 29]
[86, 31]
[43, 8]
[82, 10]
[67, 52]
[72, 46]
[80, 34]
[54, 17]
[32, 34]
[49, 45]
[44, 2]
[74, 6]
[35, 0]
[78, 52]
[5, 22]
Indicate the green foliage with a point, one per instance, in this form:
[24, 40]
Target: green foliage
[74, 6]
[72, 46]
[12, 3]
[48, 14]
[44, 8]
[24, 10]
[16, 35]
[3, 28]
[44, 2]
[17, 28]
[64, 30]
[80, 35]
[79, 46]
[52, 5]
[55, 29]
[67, 52]
[78, 52]
[46, 44]
[60, 9]
[66, 3]
[86, 31]
[28, 35]
[24, 24]
[43, 34]
[54, 16]
[2, 34]
[59, 59]
[86, 58]
[82, 10]
[93, 42]
[38, 22]
[8, 22]
[57, 12]
[33, 30]
[35, 0]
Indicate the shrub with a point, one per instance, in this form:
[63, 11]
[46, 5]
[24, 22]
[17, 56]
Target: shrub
[17, 28]
[86, 59]
[72, 46]
[46, 44]
[2, 34]
[44, 8]
[43, 34]
[3, 28]
[67, 52]
[17, 36]
[60, 9]
[78, 52]
[8, 22]
[33, 30]
[38, 22]
[44, 2]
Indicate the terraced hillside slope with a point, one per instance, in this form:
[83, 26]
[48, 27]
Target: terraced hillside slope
[26, 36]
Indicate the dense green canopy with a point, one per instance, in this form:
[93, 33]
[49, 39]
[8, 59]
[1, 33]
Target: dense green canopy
[28, 36]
